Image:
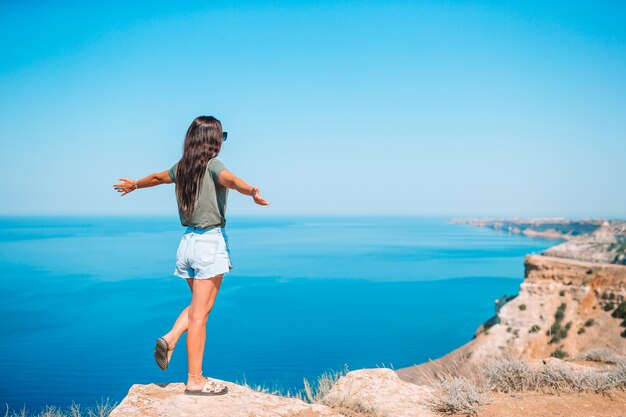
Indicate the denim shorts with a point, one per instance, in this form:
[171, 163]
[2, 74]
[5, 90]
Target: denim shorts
[203, 253]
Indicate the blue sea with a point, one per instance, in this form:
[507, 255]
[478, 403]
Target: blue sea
[83, 299]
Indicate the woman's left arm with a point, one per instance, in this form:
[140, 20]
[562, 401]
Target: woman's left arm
[229, 180]
[151, 180]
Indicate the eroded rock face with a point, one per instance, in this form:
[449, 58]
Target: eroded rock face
[169, 400]
[524, 326]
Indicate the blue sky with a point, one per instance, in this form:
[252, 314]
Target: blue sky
[430, 108]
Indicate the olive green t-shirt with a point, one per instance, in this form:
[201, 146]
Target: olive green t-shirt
[210, 207]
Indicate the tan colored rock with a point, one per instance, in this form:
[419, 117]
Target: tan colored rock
[382, 390]
[584, 287]
[169, 400]
[379, 390]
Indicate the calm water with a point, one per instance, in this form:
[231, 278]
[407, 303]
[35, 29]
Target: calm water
[83, 299]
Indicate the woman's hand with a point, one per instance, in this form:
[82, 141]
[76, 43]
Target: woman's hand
[125, 187]
[257, 198]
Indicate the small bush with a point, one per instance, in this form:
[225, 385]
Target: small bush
[616, 376]
[559, 354]
[562, 293]
[534, 329]
[581, 330]
[556, 331]
[559, 378]
[589, 323]
[620, 311]
[568, 325]
[508, 375]
[609, 306]
[558, 335]
[522, 307]
[456, 395]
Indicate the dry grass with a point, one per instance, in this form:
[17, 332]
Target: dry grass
[515, 375]
[602, 355]
[509, 375]
[456, 395]
[346, 405]
[102, 409]
[317, 393]
[438, 370]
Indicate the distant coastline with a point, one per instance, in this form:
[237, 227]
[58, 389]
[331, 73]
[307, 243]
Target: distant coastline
[598, 240]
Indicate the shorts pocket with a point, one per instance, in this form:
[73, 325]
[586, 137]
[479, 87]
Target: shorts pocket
[205, 251]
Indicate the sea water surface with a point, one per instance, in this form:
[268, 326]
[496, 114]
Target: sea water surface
[83, 299]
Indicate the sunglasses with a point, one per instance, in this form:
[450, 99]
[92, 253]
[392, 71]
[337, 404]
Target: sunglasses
[224, 136]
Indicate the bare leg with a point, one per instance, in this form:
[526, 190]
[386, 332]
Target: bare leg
[202, 300]
[180, 326]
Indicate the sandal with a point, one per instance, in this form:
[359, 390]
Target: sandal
[210, 387]
[162, 354]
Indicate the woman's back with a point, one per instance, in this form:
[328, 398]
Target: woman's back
[210, 206]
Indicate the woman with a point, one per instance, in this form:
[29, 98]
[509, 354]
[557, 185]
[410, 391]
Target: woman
[203, 257]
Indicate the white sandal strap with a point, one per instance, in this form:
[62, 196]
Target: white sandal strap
[213, 386]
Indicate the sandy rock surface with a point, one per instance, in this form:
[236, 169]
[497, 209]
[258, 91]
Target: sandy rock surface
[169, 400]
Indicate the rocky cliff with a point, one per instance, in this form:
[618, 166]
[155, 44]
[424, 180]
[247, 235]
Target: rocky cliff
[564, 307]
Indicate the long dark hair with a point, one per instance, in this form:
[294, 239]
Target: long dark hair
[203, 141]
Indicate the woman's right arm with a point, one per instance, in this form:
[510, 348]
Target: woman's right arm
[151, 180]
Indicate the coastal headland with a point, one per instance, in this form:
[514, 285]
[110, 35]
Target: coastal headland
[557, 347]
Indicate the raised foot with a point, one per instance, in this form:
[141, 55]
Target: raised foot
[163, 353]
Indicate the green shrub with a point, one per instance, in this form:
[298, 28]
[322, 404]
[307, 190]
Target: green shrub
[534, 329]
[559, 354]
[562, 293]
[609, 306]
[589, 323]
[568, 325]
[556, 331]
[620, 311]
[522, 307]
[581, 330]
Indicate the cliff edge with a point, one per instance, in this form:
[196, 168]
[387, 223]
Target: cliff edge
[564, 308]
